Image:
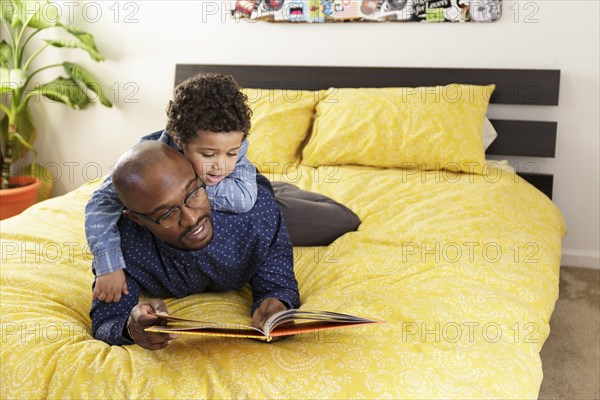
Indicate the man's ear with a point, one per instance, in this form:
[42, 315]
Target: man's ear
[133, 217]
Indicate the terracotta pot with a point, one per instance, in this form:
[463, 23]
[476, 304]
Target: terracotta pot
[13, 201]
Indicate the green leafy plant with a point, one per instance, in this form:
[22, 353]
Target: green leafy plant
[21, 22]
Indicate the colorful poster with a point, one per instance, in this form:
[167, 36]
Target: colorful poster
[368, 10]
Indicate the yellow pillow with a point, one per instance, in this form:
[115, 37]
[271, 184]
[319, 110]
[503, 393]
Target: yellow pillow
[281, 121]
[438, 127]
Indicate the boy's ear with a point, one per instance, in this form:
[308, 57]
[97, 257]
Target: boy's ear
[177, 141]
[133, 217]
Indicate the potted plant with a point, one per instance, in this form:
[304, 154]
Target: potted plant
[19, 83]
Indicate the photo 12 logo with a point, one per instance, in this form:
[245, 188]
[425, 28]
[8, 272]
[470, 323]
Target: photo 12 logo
[468, 332]
[48, 332]
[126, 12]
[457, 252]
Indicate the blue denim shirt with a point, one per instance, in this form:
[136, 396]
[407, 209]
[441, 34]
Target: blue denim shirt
[236, 193]
[253, 247]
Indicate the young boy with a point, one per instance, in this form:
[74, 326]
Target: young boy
[208, 121]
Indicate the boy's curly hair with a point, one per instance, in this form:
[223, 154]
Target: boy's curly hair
[207, 101]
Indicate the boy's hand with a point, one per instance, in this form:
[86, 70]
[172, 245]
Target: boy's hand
[109, 287]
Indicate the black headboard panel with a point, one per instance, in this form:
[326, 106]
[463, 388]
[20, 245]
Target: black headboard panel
[513, 86]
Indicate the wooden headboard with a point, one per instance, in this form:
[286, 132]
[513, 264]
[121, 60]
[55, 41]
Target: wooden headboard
[513, 86]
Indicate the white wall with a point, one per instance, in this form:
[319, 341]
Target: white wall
[143, 40]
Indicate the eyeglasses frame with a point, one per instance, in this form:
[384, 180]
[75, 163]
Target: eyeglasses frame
[171, 210]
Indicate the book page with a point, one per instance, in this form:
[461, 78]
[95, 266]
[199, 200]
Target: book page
[283, 323]
[298, 321]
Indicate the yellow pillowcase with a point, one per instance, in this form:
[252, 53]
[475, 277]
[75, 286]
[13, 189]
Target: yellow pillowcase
[438, 127]
[281, 121]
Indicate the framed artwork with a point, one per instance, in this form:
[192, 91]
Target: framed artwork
[368, 10]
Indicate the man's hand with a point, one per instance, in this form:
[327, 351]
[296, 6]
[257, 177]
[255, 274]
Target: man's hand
[268, 307]
[141, 319]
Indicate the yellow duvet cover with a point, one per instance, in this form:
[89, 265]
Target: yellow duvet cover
[463, 267]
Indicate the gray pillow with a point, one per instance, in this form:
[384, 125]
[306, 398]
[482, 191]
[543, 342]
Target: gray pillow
[312, 219]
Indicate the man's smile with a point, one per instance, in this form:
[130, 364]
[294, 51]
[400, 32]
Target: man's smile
[200, 231]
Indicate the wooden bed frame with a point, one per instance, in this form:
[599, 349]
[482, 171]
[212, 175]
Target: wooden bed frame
[513, 86]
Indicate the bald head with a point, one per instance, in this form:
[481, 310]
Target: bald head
[148, 161]
[155, 181]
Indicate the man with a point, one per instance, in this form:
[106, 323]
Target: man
[174, 246]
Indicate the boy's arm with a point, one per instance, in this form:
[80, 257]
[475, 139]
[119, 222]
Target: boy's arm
[237, 192]
[102, 213]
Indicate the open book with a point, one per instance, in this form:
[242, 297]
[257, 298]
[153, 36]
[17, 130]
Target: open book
[283, 323]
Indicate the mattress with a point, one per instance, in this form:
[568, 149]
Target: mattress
[463, 267]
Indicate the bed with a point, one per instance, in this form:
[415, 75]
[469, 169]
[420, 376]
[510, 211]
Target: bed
[463, 264]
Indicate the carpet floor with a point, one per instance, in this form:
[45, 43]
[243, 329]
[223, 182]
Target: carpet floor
[571, 355]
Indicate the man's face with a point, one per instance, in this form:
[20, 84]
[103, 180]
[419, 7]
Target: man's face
[163, 190]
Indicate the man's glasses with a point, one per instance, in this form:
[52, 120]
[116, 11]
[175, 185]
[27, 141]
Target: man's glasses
[196, 199]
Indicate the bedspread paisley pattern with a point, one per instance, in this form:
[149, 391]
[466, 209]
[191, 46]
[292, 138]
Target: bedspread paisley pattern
[463, 267]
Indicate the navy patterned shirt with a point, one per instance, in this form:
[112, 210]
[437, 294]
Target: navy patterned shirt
[253, 248]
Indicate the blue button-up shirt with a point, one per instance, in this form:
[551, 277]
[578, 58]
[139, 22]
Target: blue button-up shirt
[253, 248]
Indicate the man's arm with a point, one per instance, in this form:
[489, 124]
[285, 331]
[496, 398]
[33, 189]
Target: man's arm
[124, 322]
[275, 277]
[109, 319]
[237, 192]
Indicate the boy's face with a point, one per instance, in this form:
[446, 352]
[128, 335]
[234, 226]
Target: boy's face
[213, 154]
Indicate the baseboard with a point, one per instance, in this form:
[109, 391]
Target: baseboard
[580, 258]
